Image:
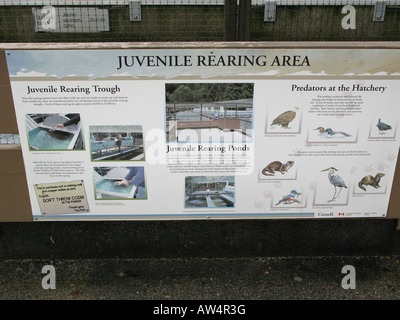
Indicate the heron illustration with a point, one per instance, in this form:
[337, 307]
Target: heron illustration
[336, 181]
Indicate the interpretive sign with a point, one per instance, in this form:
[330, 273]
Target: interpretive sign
[192, 133]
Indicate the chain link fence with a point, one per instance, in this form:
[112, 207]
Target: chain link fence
[363, 21]
[134, 21]
[198, 20]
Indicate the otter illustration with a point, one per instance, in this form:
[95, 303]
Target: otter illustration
[370, 181]
[270, 169]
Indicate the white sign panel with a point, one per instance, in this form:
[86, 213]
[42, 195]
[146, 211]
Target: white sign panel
[200, 134]
[70, 20]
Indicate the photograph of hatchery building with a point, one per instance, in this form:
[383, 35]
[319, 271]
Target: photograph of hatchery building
[204, 112]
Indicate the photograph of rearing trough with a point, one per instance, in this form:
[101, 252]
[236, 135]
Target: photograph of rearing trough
[54, 131]
[116, 142]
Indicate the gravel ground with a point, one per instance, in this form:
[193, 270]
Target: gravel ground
[272, 278]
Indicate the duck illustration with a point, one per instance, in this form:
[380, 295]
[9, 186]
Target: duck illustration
[329, 132]
[290, 198]
[383, 127]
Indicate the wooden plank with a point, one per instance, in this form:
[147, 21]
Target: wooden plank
[193, 2]
[204, 45]
[105, 2]
[244, 20]
[14, 196]
[10, 147]
[8, 120]
[230, 9]
[325, 2]
[394, 201]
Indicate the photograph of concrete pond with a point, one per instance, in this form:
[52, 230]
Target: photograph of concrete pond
[54, 131]
[118, 183]
[112, 143]
[209, 112]
[209, 192]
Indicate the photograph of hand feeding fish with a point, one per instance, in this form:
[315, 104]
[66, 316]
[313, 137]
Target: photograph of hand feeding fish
[111, 143]
[209, 112]
[54, 131]
[115, 183]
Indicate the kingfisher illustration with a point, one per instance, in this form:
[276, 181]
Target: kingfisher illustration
[290, 198]
[329, 132]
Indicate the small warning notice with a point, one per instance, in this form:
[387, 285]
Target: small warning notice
[62, 198]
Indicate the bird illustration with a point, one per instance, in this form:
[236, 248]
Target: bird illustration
[284, 119]
[336, 181]
[329, 132]
[383, 127]
[290, 198]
